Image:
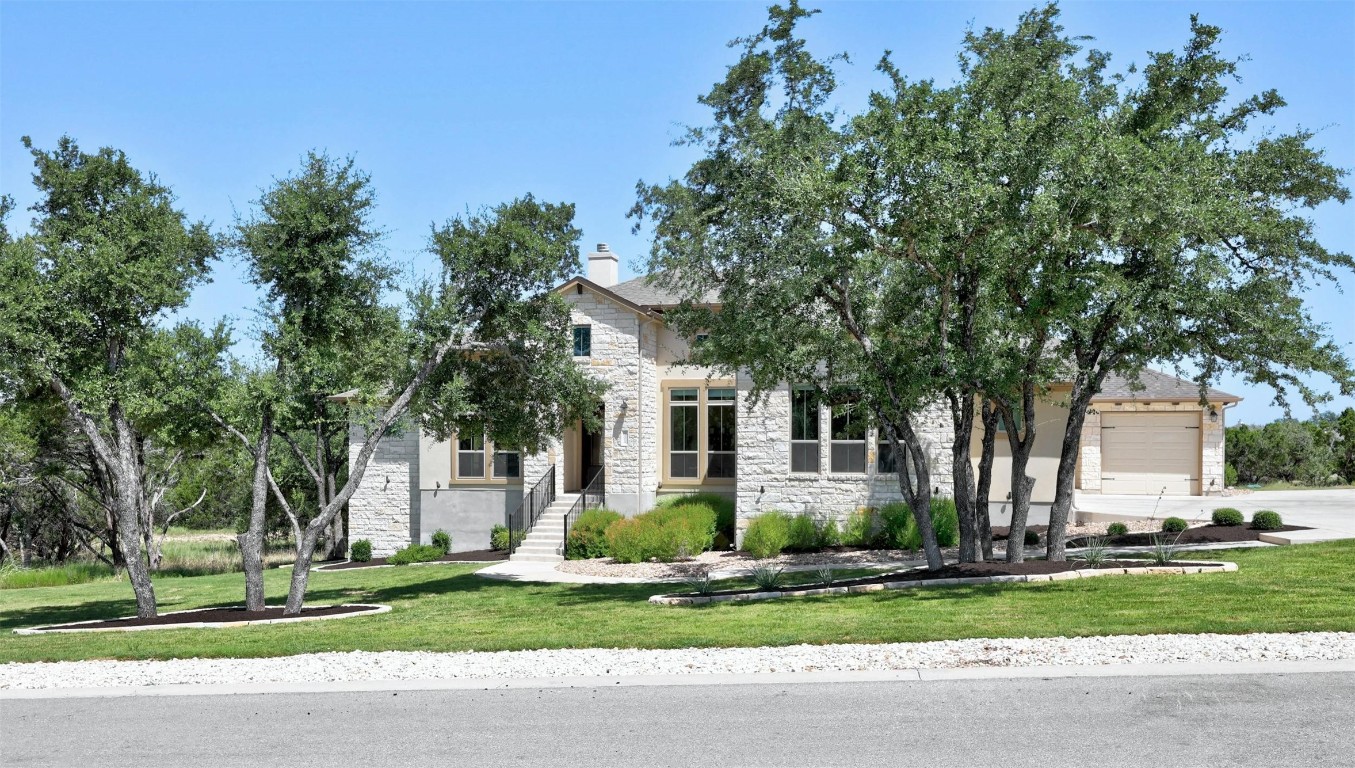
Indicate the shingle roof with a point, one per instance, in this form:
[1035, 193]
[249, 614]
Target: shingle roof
[1158, 386]
[645, 292]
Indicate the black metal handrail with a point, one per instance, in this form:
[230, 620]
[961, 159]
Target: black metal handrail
[592, 497]
[521, 520]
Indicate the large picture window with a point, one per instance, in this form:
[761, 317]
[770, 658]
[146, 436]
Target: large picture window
[804, 430]
[684, 433]
[507, 464]
[720, 433]
[848, 451]
[476, 460]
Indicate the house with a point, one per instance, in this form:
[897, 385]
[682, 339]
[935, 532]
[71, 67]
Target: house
[670, 428]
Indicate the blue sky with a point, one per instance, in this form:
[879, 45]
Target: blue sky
[451, 106]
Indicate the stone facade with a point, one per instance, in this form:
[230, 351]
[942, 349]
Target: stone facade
[385, 508]
[1090, 479]
[765, 481]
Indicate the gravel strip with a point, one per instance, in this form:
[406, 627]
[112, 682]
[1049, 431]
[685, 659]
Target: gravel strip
[401, 665]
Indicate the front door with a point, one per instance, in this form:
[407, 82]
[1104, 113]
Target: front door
[591, 450]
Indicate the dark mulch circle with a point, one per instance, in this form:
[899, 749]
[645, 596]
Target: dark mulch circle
[953, 571]
[477, 556]
[1204, 534]
[1000, 531]
[216, 615]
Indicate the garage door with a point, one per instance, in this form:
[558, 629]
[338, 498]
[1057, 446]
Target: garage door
[1144, 453]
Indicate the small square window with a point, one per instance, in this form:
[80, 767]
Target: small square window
[583, 340]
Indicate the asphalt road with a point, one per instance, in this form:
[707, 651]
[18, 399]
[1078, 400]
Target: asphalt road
[1223, 720]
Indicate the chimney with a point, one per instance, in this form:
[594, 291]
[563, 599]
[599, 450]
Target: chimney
[603, 266]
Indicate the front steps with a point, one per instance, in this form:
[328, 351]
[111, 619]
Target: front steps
[545, 543]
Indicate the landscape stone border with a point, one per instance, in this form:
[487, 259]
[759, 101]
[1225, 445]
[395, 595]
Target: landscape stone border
[82, 626]
[1087, 573]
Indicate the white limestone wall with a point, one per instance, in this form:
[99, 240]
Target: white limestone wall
[765, 481]
[384, 509]
[1212, 458]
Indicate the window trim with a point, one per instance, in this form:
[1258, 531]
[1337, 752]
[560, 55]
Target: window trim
[702, 386]
[818, 432]
[588, 349]
[488, 450]
[833, 442]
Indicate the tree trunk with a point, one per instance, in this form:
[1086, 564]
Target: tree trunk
[962, 473]
[1065, 479]
[916, 489]
[251, 541]
[985, 481]
[1021, 442]
[129, 501]
[301, 569]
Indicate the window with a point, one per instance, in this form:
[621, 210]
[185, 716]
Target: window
[1017, 416]
[684, 432]
[507, 464]
[720, 433]
[848, 442]
[701, 339]
[583, 340]
[470, 456]
[885, 463]
[804, 430]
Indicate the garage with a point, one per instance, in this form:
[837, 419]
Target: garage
[1145, 453]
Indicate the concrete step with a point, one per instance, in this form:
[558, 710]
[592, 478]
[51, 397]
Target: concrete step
[537, 558]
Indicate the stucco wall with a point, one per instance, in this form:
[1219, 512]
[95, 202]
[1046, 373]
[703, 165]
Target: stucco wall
[765, 481]
[467, 513]
[1051, 417]
[384, 509]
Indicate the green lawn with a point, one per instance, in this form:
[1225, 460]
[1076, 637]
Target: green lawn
[448, 608]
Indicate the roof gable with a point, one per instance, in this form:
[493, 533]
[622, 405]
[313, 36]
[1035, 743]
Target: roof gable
[1158, 386]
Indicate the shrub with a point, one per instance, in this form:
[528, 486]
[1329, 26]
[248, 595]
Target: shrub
[1174, 525]
[1117, 529]
[498, 538]
[1163, 551]
[897, 527]
[803, 533]
[625, 540]
[416, 553]
[861, 528]
[1267, 520]
[1094, 553]
[588, 535]
[829, 535]
[1229, 476]
[946, 521]
[767, 535]
[361, 551]
[1031, 539]
[721, 505]
[690, 524]
[700, 583]
[1227, 516]
[442, 539]
[644, 538]
[768, 578]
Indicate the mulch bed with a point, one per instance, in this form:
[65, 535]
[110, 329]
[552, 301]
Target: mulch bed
[477, 556]
[951, 571]
[215, 615]
[1000, 531]
[1204, 534]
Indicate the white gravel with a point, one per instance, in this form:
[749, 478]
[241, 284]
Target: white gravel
[399, 665]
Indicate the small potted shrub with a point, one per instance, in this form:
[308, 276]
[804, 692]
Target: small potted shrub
[1227, 516]
[1174, 525]
[442, 540]
[361, 551]
[1267, 520]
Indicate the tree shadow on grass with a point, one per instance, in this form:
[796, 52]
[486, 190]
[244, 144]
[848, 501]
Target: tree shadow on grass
[467, 583]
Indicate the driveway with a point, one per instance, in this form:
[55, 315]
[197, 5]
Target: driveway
[1329, 510]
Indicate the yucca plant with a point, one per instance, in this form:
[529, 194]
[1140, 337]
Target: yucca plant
[1094, 552]
[700, 583]
[1164, 551]
[825, 575]
[768, 578]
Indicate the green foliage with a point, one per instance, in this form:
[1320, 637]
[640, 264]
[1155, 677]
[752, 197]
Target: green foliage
[863, 528]
[803, 533]
[499, 538]
[1229, 475]
[1031, 539]
[1094, 552]
[1227, 516]
[1267, 520]
[1117, 529]
[416, 553]
[588, 534]
[666, 533]
[900, 526]
[722, 505]
[1174, 525]
[829, 535]
[700, 583]
[12, 577]
[361, 551]
[767, 578]
[1164, 549]
[946, 520]
[1312, 453]
[443, 540]
[768, 535]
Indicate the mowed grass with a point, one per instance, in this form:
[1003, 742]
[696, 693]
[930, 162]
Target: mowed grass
[448, 608]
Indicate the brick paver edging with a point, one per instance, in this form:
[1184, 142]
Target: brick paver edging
[80, 626]
[920, 584]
